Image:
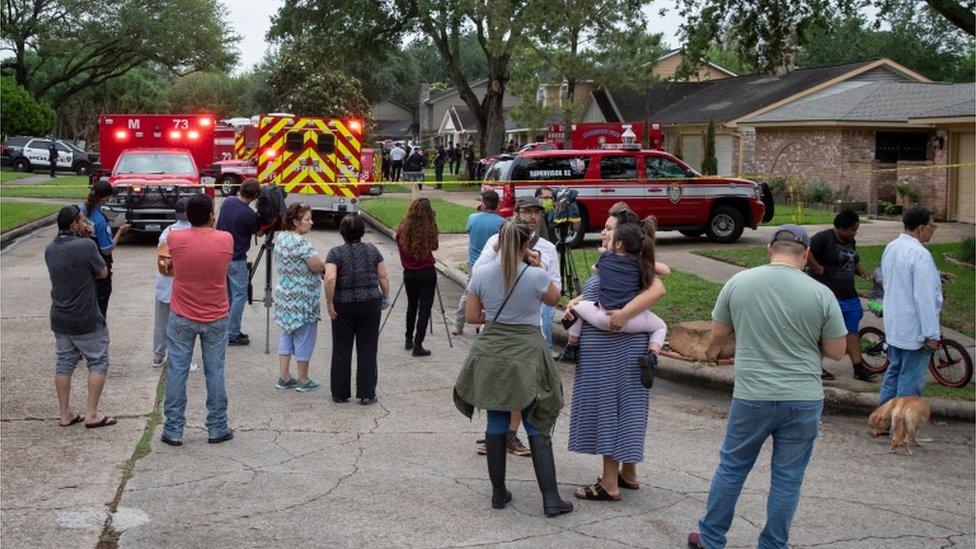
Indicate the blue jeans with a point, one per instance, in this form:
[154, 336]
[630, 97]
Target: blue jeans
[236, 295]
[181, 335]
[546, 313]
[498, 424]
[793, 425]
[905, 375]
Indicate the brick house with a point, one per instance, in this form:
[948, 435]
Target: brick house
[863, 141]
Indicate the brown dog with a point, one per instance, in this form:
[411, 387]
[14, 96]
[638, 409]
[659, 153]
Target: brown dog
[906, 416]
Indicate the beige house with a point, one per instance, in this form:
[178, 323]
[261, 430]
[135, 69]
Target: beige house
[667, 65]
[391, 120]
[434, 106]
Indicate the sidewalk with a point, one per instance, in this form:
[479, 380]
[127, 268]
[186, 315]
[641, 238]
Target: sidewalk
[845, 392]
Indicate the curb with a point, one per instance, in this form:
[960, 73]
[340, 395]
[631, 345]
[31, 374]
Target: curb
[23, 230]
[721, 377]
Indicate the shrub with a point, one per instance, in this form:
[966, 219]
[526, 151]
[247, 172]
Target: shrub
[967, 250]
[909, 193]
[819, 192]
[779, 188]
[22, 114]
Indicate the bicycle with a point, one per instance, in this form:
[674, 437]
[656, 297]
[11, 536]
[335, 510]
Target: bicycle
[950, 364]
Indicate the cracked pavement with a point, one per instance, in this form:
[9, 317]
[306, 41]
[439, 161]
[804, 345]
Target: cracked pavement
[304, 471]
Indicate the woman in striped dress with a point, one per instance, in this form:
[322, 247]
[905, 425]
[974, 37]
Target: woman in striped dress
[610, 406]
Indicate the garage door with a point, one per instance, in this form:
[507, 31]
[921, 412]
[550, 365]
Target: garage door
[723, 154]
[966, 179]
[691, 150]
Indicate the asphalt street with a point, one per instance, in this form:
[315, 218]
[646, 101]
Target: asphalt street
[304, 471]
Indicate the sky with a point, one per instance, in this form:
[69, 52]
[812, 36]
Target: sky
[251, 19]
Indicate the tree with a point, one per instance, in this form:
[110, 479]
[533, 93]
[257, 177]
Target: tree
[304, 84]
[709, 164]
[767, 32]
[919, 39]
[22, 114]
[62, 47]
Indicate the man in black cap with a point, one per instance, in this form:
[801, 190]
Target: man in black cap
[102, 235]
[74, 265]
[52, 156]
[784, 323]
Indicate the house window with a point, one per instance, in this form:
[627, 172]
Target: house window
[540, 95]
[892, 147]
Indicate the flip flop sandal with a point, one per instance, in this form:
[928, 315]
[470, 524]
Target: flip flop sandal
[622, 482]
[595, 492]
[78, 419]
[105, 422]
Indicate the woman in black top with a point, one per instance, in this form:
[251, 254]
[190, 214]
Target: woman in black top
[356, 290]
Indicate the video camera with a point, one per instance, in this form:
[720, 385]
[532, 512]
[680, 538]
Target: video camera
[271, 208]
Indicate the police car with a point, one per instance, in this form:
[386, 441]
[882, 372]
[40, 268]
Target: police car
[26, 154]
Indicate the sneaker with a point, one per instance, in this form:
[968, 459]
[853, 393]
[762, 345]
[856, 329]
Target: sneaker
[826, 376]
[570, 354]
[694, 541]
[457, 330]
[194, 367]
[239, 341]
[229, 435]
[307, 386]
[515, 447]
[158, 363]
[418, 350]
[290, 383]
[481, 447]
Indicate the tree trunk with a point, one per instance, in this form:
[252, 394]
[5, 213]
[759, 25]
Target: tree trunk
[957, 14]
[493, 130]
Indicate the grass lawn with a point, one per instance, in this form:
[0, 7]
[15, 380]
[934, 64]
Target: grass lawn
[958, 309]
[689, 297]
[934, 389]
[451, 218]
[15, 214]
[68, 186]
[806, 216]
[7, 175]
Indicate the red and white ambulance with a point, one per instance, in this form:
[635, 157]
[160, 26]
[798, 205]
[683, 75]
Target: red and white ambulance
[151, 160]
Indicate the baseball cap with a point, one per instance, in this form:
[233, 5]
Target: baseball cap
[527, 202]
[101, 189]
[791, 233]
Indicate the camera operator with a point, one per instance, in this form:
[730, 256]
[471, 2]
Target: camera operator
[241, 221]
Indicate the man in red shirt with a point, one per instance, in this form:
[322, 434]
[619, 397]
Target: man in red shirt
[199, 260]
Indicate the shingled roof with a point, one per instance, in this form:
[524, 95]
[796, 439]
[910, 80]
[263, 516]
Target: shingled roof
[878, 102]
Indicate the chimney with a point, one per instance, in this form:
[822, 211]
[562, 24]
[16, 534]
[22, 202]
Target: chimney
[423, 111]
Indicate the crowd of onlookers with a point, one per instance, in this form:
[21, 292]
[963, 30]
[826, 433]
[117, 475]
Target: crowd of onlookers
[785, 318]
[406, 161]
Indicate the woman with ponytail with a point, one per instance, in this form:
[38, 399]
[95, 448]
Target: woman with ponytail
[509, 367]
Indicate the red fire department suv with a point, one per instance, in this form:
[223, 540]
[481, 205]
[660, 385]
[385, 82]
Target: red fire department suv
[651, 182]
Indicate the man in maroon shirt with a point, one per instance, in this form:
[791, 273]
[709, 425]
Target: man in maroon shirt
[199, 260]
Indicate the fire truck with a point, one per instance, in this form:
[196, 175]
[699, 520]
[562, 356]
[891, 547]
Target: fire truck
[317, 157]
[151, 160]
[594, 135]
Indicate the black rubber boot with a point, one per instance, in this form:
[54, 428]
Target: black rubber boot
[408, 344]
[496, 445]
[545, 473]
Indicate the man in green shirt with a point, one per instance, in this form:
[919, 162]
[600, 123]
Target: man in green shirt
[784, 323]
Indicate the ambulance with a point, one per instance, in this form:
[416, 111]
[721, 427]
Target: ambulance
[152, 160]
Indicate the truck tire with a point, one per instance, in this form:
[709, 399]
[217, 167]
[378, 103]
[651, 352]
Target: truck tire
[229, 185]
[725, 226]
[82, 168]
[20, 164]
[693, 233]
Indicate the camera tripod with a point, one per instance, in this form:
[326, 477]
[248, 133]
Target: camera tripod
[440, 302]
[266, 246]
[567, 267]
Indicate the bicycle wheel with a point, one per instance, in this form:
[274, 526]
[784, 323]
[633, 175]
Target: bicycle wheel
[951, 365]
[873, 354]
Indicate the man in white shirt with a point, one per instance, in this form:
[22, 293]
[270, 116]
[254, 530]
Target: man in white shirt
[529, 209]
[397, 154]
[912, 302]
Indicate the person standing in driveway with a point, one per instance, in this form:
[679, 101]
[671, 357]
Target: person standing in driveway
[200, 257]
[912, 302]
[834, 262]
[74, 264]
[481, 226]
[238, 219]
[102, 234]
[440, 158]
[784, 324]
[52, 157]
[397, 154]
[416, 239]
